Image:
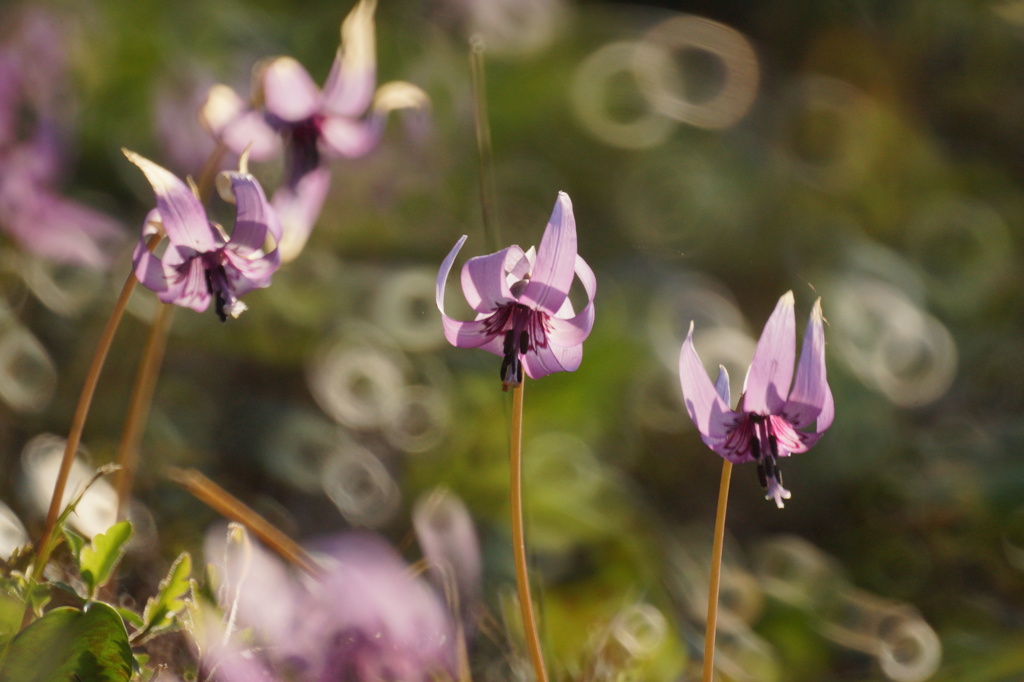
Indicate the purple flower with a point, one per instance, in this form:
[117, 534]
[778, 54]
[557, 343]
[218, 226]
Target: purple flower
[201, 261]
[522, 302]
[313, 123]
[369, 618]
[32, 98]
[766, 424]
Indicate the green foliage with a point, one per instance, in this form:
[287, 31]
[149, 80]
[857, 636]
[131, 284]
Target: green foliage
[68, 644]
[97, 560]
[162, 609]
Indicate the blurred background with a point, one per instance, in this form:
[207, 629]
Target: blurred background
[717, 154]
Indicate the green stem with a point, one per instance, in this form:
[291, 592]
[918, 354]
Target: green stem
[716, 573]
[518, 539]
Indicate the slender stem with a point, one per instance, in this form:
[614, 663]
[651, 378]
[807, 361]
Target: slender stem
[518, 539]
[138, 409]
[230, 506]
[716, 573]
[483, 142]
[81, 413]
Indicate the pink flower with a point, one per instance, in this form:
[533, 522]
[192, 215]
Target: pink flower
[522, 302]
[201, 261]
[766, 424]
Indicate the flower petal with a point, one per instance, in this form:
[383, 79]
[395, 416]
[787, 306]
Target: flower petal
[546, 360]
[484, 283]
[350, 84]
[255, 218]
[710, 414]
[722, 384]
[556, 261]
[186, 278]
[237, 125]
[148, 268]
[350, 138]
[442, 273]
[182, 215]
[298, 210]
[810, 385]
[289, 91]
[771, 370]
[574, 331]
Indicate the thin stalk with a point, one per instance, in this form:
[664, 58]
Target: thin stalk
[81, 413]
[518, 539]
[483, 142]
[716, 573]
[228, 505]
[127, 456]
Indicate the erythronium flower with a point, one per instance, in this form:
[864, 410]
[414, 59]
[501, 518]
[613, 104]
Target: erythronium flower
[767, 423]
[201, 261]
[522, 302]
[32, 157]
[344, 120]
[369, 618]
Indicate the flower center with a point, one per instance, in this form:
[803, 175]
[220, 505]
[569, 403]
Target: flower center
[225, 301]
[303, 151]
[764, 447]
[525, 330]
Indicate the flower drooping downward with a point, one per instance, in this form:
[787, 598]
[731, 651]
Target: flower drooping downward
[522, 302]
[201, 261]
[343, 120]
[775, 405]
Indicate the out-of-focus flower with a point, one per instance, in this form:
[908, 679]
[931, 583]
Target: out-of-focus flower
[201, 260]
[344, 120]
[32, 156]
[367, 619]
[522, 302]
[774, 404]
[450, 545]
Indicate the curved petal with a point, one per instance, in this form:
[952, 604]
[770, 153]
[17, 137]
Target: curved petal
[523, 265]
[229, 119]
[299, 208]
[148, 268]
[575, 330]
[255, 218]
[484, 283]
[188, 287]
[289, 91]
[350, 138]
[810, 385]
[246, 273]
[546, 360]
[442, 273]
[556, 261]
[468, 334]
[350, 84]
[710, 414]
[722, 384]
[183, 216]
[771, 370]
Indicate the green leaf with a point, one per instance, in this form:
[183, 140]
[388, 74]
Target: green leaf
[98, 559]
[169, 600]
[75, 542]
[11, 611]
[66, 644]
